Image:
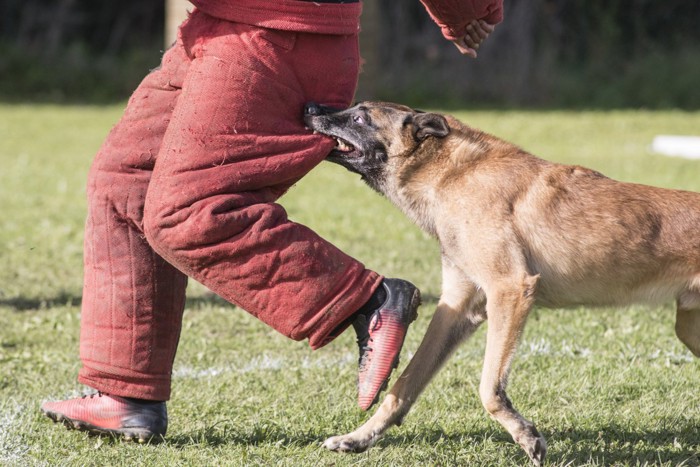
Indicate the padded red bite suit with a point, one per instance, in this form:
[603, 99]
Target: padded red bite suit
[186, 184]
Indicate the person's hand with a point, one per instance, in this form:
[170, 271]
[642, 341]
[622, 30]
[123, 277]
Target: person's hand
[477, 32]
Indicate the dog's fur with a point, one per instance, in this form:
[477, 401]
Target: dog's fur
[515, 231]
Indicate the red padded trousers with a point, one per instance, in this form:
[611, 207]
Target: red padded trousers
[186, 185]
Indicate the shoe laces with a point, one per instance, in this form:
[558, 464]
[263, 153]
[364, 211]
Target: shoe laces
[364, 339]
[93, 395]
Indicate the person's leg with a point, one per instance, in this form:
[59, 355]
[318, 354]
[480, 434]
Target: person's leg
[233, 145]
[132, 299]
[236, 143]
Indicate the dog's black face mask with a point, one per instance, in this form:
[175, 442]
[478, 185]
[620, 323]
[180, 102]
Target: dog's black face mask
[357, 147]
[369, 134]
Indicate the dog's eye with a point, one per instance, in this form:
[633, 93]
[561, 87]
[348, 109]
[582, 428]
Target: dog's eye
[358, 119]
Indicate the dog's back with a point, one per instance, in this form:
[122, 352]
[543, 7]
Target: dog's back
[592, 240]
[597, 241]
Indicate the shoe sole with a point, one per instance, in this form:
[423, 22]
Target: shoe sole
[140, 436]
[413, 307]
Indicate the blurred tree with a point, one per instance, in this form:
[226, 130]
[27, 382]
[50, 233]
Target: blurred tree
[103, 27]
[546, 52]
[371, 46]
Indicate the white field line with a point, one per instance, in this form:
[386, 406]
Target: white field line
[669, 357]
[542, 347]
[12, 450]
[264, 363]
[527, 349]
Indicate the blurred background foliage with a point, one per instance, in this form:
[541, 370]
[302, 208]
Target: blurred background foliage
[547, 53]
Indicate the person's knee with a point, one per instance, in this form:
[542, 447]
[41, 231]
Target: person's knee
[174, 226]
[174, 229]
[161, 230]
[115, 195]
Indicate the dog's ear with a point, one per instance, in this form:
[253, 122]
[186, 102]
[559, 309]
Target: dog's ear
[429, 124]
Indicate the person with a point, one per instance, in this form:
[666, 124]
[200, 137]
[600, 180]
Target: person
[186, 184]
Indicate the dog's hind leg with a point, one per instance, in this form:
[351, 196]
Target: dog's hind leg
[688, 319]
[459, 313]
[508, 305]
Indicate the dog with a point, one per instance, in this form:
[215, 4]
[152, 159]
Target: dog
[515, 231]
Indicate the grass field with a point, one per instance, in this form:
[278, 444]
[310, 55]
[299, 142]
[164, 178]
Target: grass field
[606, 387]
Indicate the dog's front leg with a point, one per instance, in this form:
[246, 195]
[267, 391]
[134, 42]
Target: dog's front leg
[458, 315]
[508, 304]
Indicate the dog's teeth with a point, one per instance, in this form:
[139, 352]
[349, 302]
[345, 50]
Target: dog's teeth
[342, 145]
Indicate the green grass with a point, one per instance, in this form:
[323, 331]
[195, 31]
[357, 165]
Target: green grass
[606, 387]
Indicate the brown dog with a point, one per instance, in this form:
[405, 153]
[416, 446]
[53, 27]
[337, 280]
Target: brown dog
[515, 231]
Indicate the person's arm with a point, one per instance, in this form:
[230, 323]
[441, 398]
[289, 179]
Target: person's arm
[467, 23]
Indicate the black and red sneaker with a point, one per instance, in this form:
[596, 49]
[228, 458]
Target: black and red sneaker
[102, 414]
[380, 336]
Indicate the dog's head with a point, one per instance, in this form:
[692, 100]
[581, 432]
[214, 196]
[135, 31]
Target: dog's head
[372, 137]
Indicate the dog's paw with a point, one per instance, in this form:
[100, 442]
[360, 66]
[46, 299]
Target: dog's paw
[534, 445]
[537, 452]
[347, 443]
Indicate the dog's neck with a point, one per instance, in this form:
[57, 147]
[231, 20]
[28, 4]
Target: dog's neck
[413, 189]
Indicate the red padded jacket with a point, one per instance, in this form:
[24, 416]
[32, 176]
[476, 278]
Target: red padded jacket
[344, 18]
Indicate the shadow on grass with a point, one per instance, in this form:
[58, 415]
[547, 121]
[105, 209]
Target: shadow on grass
[604, 446]
[677, 445]
[63, 298]
[224, 435]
